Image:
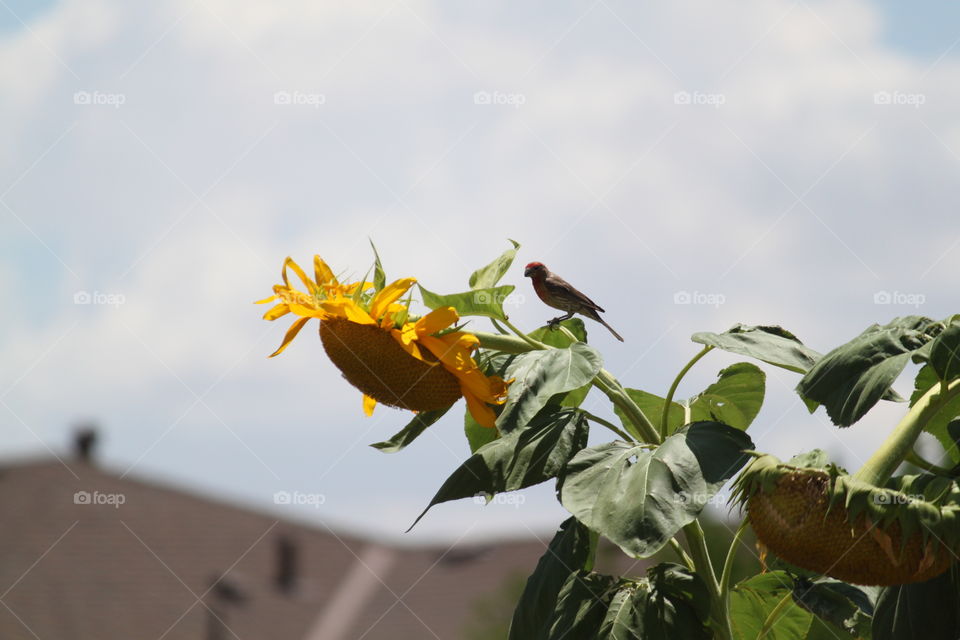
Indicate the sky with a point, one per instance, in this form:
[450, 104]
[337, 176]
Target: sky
[787, 163]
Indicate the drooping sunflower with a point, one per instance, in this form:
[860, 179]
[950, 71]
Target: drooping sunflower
[421, 364]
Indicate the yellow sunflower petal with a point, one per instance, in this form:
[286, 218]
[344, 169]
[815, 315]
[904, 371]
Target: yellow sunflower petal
[347, 308]
[388, 295]
[266, 300]
[307, 312]
[482, 413]
[437, 320]
[323, 273]
[369, 404]
[291, 334]
[277, 311]
[308, 283]
[409, 344]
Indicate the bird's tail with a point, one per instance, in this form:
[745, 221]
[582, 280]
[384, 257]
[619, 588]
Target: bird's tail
[604, 323]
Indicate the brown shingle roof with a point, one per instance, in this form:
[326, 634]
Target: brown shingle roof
[98, 571]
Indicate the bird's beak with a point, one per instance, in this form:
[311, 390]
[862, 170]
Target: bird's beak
[526, 272]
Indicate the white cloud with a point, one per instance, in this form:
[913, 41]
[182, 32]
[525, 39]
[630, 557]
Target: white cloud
[693, 195]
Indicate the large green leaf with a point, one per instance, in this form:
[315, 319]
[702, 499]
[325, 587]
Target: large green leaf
[843, 606]
[639, 498]
[477, 434]
[522, 458]
[479, 302]
[569, 552]
[677, 605]
[945, 353]
[770, 344]
[939, 424]
[852, 378]
[559, 339]
[582, 605]
[734, 399]
[652, 407]
[410, 432]
[753, 601]
[490, 275]
[539, 375]
[928, 610]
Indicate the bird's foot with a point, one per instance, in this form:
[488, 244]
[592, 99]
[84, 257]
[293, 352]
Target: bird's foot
[554, 323]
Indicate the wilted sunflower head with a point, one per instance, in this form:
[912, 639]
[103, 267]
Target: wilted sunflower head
[823, 520]
[421, 364]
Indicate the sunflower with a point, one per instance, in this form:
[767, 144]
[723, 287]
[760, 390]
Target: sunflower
[421, 364]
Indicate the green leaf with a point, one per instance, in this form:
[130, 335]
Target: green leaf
[678, 605]
[479, 302]
[652, 407]
[770, 344]
[477, 434]
[639, 498]
[490, 275]
[569, 552]
[539, 375]
[753, 601]
[945, 353]
[939, 424]
[852, 378]
[410, 432]
[581, 605]
[624, 619]
[379, 277]
[522, 458]
[928, 610]
[842, 605]
[734, 399]
[557, 338]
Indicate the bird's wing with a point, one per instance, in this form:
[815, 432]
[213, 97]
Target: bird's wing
[556, 283]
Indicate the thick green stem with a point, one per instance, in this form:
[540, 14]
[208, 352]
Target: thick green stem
[727, 572]
[889, 455]
[638, 424]
[704, 567]
[917, 460]
[665, 418]
[609, 425]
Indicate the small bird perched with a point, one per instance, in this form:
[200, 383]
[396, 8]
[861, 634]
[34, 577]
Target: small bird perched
[560, 294]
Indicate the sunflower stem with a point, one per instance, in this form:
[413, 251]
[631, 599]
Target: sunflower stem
[665, 418]
[889, 455]
[503, 343]
[728, 564]
[704, 568]
[609, 425]
[917, 460]
[535, 344]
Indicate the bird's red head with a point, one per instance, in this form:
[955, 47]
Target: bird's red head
[535, 270]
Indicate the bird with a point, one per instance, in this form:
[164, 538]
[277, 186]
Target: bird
[560, 294]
